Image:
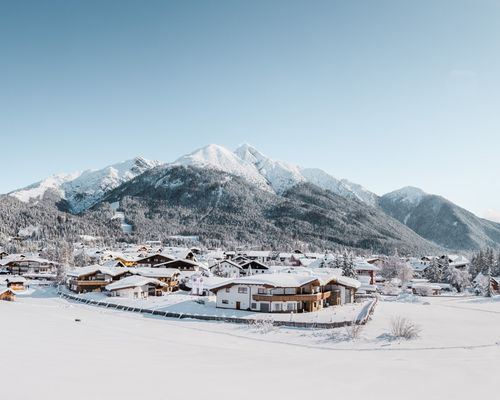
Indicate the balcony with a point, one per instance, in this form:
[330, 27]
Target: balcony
[93, 283]
[292, 297]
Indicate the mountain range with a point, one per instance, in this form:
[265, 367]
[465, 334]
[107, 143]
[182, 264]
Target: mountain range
[242, 197]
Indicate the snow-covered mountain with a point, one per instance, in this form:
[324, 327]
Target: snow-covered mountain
[272, 175]
[221, 159]
[81, 190]
[409, 195]
[439, 220]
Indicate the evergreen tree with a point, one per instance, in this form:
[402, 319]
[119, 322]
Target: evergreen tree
[434, 272]
[348, 268]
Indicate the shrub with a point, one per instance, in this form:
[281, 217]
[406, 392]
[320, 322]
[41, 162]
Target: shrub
[353, 331]
[404, 328]
[264, 326]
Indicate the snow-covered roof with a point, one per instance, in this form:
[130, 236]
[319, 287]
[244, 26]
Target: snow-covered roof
[92, 269]
[272, 280]
[157, 272]
[292, 280]
[17, 258]
[433, 286]
[363, 265]
[232, 263]
[6, 290]
[133, 281]
[16, 279]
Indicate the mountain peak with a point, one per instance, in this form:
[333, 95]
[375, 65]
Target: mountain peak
[220, 158]
[409, 194]
[84, 189]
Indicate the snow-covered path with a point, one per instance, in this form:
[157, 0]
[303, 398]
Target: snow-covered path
[117, 355]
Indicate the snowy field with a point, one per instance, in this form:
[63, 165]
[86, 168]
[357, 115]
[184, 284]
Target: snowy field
[112, 354]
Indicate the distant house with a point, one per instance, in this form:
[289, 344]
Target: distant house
[285, 292]
[459, 262]
[169, 276]
[495, 284]
[426, 289]
[180, 264]
[16, 283]
[226, 269]
[253, 268]
[240, 260]
[30, 265]
[153, 260]
[256, 255]
[136, 287]
[3, 254]
[7, 294]
[94, 278]
[366, 270]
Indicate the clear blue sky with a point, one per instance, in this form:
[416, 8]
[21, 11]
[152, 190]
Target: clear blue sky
[385, 93]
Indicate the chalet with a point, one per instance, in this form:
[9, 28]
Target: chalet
[128, 260]
[226, 269]
[240, 260]
[453, 260]
[255, 255]
[253, 268]
[366, 271]
[426, 289]
[495, 284]
[7, 294]
[30, 265]
[168, 276]
[153, 260]
[180, 264]
[94, 278]
[285, 292]
[136, 287]
[16, 283]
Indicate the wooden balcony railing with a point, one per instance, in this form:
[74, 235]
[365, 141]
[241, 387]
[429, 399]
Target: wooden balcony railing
[291, 297]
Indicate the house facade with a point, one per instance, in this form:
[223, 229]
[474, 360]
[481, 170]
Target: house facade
[94, 278]
[226, 269]
[285, 293]
[136, 287]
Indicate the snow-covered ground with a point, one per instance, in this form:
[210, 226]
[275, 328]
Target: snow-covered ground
[111, 354]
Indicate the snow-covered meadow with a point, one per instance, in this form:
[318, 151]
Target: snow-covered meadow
[113, 354]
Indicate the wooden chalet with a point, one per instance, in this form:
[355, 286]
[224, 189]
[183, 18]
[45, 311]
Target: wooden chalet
[94, 278]
[285, 292]
[136, 287]
[16, 283]
[253, 268]
[7, 295]
[180, 264]
[168, 276]
[153, 260]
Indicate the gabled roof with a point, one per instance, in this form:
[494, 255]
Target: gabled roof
[6, 290]
[157, 272]
[227, 262]
[177, 260]
[247, 264]
[16, 279]
[271, 280]
[133, 281]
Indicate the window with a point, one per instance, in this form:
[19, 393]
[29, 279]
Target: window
[225, 302]
[242, 290]
[262, 291]
[277, 307]
[254, 306]
[290, 306]
[228, 290]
